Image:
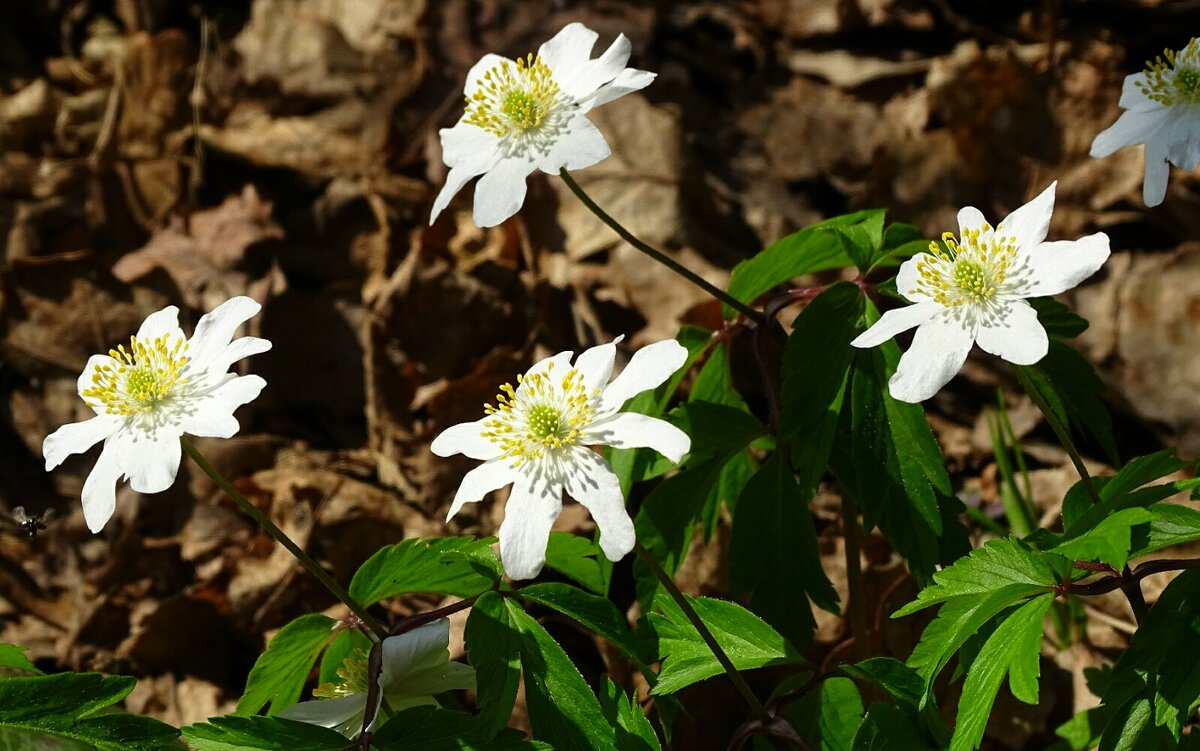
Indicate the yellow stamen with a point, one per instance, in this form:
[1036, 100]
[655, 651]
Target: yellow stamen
[140, 377]
[354, 676]
[967, 272]
[547, 415]
[1174, 77]
[513, 97]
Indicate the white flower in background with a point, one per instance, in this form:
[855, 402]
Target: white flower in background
[537, 438]
[532, 114]
[1162, 106]
[147, 395]
[975, 290]
[416, 666]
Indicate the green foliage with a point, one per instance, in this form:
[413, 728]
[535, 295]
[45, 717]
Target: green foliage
[686, 658]
[1058, 319]
[279, 674]
[597, 614]
[829, 717]
[494, 649]
[344, 645]
[261, 734]
[73, 707]
[562, 709]
[428, 728]
[1071, 387]
[887, 728]
[461, 566]
[13, 657]
[634, 731]
[578, 558]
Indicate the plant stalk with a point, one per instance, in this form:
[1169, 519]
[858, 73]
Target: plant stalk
[658, 255]
[281, 537]
[1060, 431]
[854, 580]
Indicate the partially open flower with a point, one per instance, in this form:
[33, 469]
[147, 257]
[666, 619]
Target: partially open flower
[537, 437]
[1162, 106]
[530, 114]
[149, 393]
[416, 666]
[974, 291]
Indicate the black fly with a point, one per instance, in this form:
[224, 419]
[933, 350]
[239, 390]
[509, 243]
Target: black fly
[31, 524]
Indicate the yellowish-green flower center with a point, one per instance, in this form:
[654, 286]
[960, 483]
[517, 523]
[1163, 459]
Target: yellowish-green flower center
[966, 273]
[547, 414]
[513, 97]
[1174, 77]
[353, 674]
[139, 378]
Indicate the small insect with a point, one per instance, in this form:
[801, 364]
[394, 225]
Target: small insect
[31, 524]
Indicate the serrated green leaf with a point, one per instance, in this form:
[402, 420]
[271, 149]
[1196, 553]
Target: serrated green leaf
[429, 728]
[13, 657]
[840, 716]
[1072, 389]
[747, 640]
[900, 681]
[1172, 525]
[279, 674]
[886, 728]
[234, 733]
[774, 555]
[634, 731]
[1014, 649]
[65, 706]
[435, 565]
[576, 557]
[597, 614]
[714, 382]
[1057, 318]
[494, 649]
[1109, 541]
[562, 709]
[999, 563]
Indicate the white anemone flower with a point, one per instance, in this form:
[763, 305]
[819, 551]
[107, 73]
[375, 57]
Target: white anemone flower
[530, 114]
[1162, 110]
[149, 393]
[974, 291]
[416, 666]
[537, 438]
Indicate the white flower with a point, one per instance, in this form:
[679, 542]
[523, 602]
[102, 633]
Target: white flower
[532, 114]
[1162, 106]
[416, 665]
[975, 291]
[147, 395]
[537, 438]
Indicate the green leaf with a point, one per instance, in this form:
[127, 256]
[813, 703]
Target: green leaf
[344, 645]
[900, 681]
[429, 728]
[1172, 525]
[441, 565]
[634, 731]
[576, 557]
[494, 649]
[1014, 649]
[746, 639]
[811, 249]
[998, 564]
[597, 614]
[1109, 541]
[886, 728]
[13, 657]
[1057, 318]
[562, 709]
[1069, 384]
[774, 554]
[829, 718]
[65, 706]
[714, 382]
[279, 674]
[261, 734]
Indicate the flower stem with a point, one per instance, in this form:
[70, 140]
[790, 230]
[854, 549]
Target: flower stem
[738, 681]
[1060, 431]
[857, 604]
[281, 537]
[658, 255]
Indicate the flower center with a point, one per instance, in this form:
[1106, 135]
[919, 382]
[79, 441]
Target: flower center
[513, 97]
[970, 272]
[139, 378]
[1174, 77]
[353, 674]
[545, 415]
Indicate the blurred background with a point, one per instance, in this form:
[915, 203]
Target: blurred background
[157, 152]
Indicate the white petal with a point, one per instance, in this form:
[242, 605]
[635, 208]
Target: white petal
[971, 218]
[567, 52]
[1132, 97]
[77, 437]
[938, 351]
[628, 430]
[533, 505]
[1129, 129]
[415, 650]
[895, 321]
[85, 378]
[650, 366]
[592, 482]
[238, 349]
[582, 145]
[163, 323]
[215, 330]
[470, 151]
[909, 276]
[595, 364]
[419, 686]
[583, 80]
[328, 713]
[626, 82]
[1158, 170]
[99, 494]
[1030, 223]
[1184, 140]
[482, 480]
[465, 438]
[477, 71]
[212, 414]
[1058, 266]
[1013, 334]
[501, 191]
[558, 363]
[149, 460]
